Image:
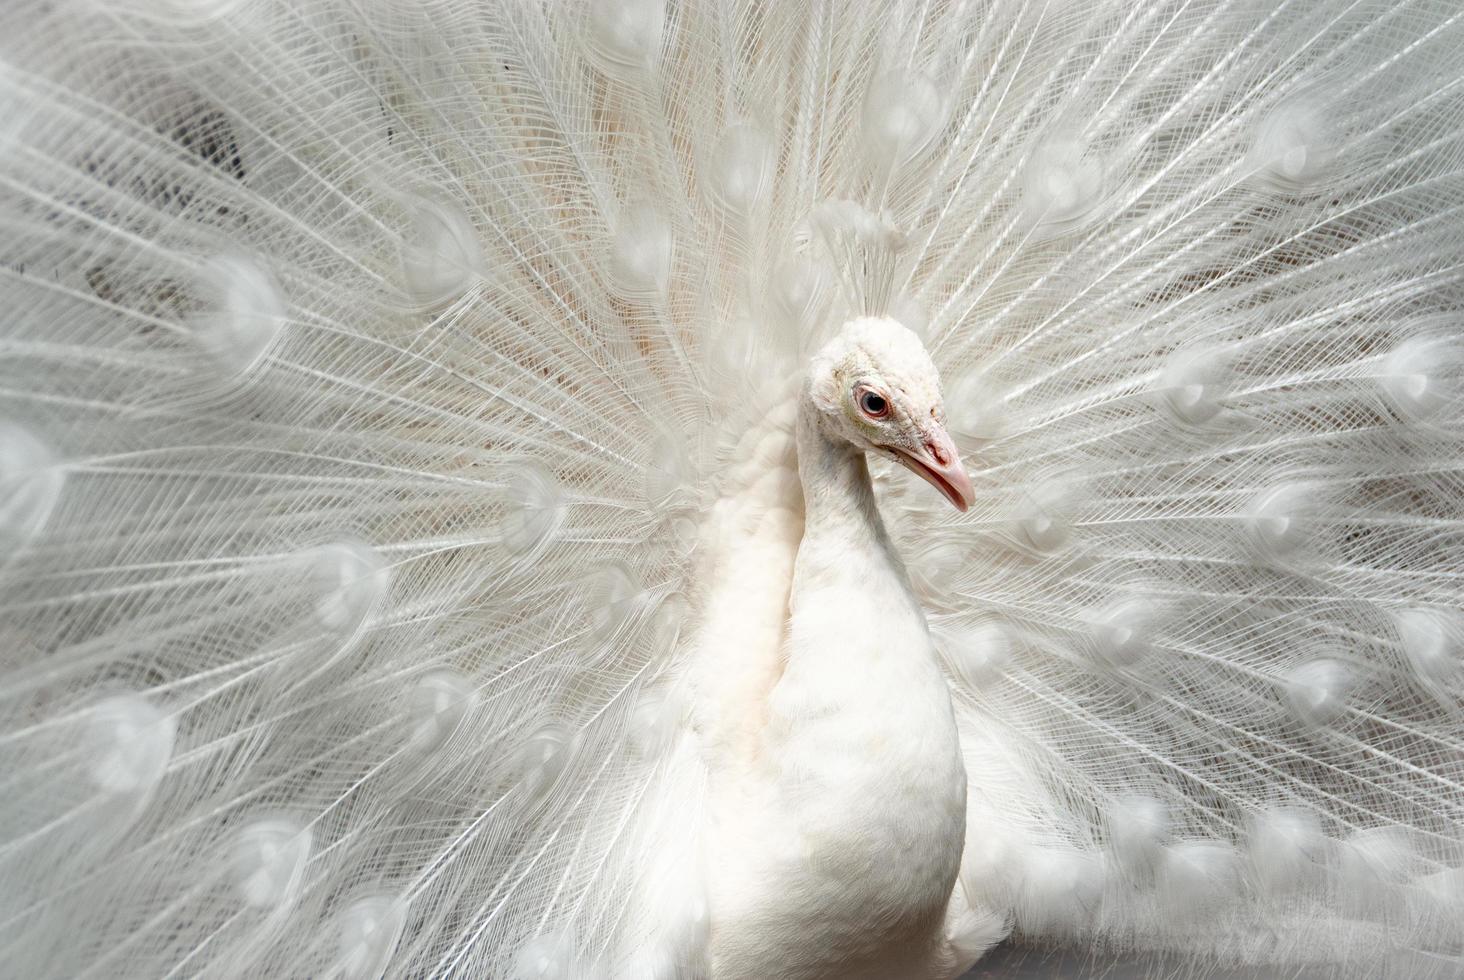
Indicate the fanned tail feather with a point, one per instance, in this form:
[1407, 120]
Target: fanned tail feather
[372, 372]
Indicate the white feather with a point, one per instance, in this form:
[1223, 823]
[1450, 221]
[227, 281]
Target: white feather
[399, 491]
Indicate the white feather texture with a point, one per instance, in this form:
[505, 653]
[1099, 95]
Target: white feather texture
[397, 480]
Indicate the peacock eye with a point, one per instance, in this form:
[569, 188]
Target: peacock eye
[873, 404]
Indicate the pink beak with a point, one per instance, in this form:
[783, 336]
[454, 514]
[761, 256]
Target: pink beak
[939, 464]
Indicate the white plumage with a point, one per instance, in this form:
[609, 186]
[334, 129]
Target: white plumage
[837, 791]
[412, 561]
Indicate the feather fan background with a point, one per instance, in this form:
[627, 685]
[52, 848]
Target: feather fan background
[366, 367]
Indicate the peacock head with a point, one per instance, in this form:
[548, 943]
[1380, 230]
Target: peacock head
[875, 387]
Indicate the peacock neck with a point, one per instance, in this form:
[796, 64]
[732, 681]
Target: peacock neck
[839, 506]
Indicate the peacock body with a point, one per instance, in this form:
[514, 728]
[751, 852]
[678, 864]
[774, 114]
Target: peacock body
[431, 543]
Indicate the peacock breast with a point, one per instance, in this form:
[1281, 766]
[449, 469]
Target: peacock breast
[859, 807]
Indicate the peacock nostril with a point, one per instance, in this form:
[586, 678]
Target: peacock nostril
[937, 452]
